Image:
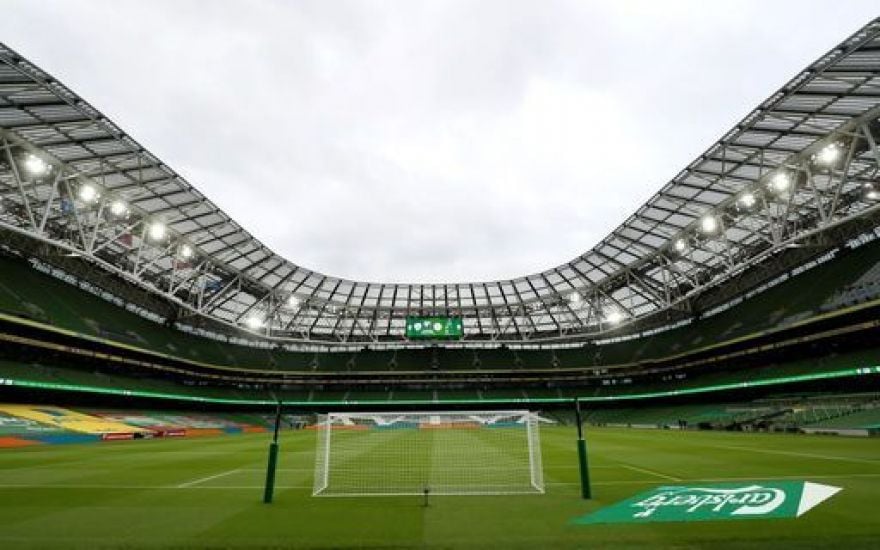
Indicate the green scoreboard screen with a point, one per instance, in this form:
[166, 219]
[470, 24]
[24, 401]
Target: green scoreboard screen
[434, 327]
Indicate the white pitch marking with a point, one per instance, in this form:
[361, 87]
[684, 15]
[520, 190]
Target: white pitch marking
[804, 455]
[626, 482]
[147, 487]
[256, 487]
[204, 479]
[277, 469]
[650, 472]
[310, 470]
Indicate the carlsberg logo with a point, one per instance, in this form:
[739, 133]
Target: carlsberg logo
[756, 500]
[751, 500]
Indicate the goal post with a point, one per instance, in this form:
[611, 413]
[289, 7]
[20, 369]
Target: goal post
[436, 453]
[583, 464]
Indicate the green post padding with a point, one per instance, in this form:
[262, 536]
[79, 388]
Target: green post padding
[270, 473]
[586, 492]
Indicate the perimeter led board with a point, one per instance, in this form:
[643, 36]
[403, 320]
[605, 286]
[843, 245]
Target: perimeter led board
[434, 327]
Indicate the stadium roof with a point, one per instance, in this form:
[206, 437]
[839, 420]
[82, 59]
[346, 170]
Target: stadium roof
[799, 167]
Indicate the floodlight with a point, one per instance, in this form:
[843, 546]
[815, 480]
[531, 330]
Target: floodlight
[185, 251]
[35, 165]
[157, 231]
[870, 192]
[829, 154]
[574, 299]
[747, 200]
[88, 193]
[254, 322]
[614, 317]
[780, 182]
[293, 302]
[680, 245]
[709, 224]
[118, 208]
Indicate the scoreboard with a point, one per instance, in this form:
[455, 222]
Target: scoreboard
[434, 327]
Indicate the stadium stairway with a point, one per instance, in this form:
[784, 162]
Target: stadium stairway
[868, 419]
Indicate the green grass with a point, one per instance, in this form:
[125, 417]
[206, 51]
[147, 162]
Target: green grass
[206, 493]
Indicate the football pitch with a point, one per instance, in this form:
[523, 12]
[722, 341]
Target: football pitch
[206, 493]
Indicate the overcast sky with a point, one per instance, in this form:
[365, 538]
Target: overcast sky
[417, 141]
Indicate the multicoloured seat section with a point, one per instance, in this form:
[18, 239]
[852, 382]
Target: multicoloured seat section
[28, 425]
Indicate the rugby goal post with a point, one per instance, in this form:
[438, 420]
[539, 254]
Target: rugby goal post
[420, 453]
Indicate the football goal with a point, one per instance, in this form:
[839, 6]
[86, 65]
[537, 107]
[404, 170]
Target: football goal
[437, 453]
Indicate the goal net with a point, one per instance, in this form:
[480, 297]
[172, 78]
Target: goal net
[441, 453]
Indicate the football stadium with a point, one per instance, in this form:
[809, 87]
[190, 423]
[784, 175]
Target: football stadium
[706, 375]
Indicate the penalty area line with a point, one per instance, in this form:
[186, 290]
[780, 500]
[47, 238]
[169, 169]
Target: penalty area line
[204, 479]
[806, 477]
[802, 455]
[148, 487]
[650, 472]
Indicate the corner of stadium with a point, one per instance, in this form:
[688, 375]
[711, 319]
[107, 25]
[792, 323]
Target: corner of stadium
[167, 380]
